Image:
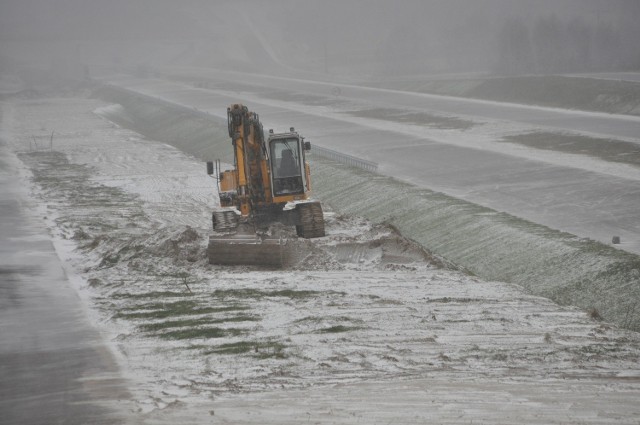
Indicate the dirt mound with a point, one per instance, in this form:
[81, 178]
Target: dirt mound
[354, 243]
[182, 245]
[179, 244]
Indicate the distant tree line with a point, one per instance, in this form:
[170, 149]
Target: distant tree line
[551, 45]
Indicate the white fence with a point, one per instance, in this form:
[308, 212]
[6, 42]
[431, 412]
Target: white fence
[344, 158]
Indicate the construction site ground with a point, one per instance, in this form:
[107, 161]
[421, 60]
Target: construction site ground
[368, 328]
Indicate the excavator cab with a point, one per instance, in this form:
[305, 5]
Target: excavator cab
[287, 162]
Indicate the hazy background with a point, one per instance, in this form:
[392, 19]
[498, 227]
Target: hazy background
[368, 38]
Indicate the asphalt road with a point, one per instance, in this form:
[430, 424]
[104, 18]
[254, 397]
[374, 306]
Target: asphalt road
[54, 367]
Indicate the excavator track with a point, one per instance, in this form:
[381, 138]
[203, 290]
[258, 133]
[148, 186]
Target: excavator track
[311, 220]
[224, 219]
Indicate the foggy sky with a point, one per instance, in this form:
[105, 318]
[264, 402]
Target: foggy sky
[382, 36]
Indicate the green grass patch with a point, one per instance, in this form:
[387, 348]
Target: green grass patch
[600, 349]
[418, 118]
[306, 99]
[177, 308]
[261, 350]
[196, 333]
[590, 94]
[152, 295]
[608, 149]
[445, 300]
[257, 293]
[184, 323]
[338, 329]
[319, 319]
[565, 92]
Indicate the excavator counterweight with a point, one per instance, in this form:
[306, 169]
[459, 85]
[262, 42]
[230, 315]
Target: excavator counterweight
[269, 183]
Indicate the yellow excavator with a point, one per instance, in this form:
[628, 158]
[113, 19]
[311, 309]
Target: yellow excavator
[269, 183]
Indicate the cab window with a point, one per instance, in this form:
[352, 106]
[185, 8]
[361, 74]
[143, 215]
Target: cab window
[286, 164]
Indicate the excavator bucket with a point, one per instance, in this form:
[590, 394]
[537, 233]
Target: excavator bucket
[241, 249]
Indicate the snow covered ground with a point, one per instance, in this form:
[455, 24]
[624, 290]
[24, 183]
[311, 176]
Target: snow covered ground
[451, 145]
[54, 366]
[370, 329]
[619, 76]
[486, 241]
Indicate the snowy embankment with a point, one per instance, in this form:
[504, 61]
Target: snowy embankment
[490, 244]
[585, 92]
[130, 217]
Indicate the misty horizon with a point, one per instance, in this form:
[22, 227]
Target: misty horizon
[363, 37]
